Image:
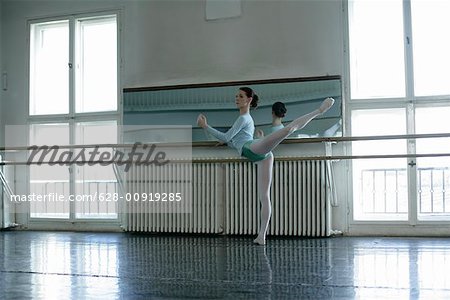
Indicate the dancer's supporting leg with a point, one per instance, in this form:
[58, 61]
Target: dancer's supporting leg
[264, 182]
[268, 143]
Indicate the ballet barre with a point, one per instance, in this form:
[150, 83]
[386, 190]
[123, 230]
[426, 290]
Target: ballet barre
[238, 159]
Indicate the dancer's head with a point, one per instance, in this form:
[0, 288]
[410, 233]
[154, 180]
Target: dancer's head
[279, 109]
[246, 97]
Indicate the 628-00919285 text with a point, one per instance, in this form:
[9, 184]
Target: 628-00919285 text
[144, 197]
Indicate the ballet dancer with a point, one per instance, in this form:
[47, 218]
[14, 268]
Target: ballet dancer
[240, 137]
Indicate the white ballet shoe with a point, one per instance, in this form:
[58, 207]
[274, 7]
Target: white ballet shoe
[259, 241]
[326, 105]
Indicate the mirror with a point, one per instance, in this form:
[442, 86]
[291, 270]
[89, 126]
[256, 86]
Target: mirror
[157, 109]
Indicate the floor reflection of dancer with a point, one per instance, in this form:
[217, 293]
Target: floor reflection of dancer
[240, 137]
[266, 272]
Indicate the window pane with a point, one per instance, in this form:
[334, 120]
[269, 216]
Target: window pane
[49, 182]
[431, 32]
[96, 57]
[433, 173]
[96, 184]
[49, 72]
[379, 185]
[376, 49]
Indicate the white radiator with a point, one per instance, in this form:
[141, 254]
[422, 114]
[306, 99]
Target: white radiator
[224, 200]
[298, 196]
[204, 216]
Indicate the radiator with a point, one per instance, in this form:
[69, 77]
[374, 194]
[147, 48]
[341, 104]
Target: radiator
[298, 196]
[224, 200]
[204, 216]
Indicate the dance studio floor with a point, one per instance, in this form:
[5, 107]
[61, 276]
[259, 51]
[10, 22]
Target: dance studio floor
[68, 265]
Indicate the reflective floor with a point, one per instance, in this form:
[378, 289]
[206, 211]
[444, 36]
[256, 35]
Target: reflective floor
[66, 265]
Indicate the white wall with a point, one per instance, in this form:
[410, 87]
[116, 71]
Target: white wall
[1, 111]
[172, 42]
[169, 42]
[1, 72]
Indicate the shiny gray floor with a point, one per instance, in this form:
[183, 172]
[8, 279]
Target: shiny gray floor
[67, 265]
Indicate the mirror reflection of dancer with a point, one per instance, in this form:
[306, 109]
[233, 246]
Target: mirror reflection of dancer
[278, 113]
[240, 137]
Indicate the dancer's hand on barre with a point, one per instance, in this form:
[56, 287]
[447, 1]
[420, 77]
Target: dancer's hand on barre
[259, 133]
[201, 121]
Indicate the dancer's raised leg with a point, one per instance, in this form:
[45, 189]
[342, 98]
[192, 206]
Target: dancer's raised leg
[264, 182]
[268, 143]
[301, 122]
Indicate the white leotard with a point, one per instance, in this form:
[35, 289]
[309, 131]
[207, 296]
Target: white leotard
[240, 133]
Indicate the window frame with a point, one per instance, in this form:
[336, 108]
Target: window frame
[72, 113]
[72, 117]
[410, 102]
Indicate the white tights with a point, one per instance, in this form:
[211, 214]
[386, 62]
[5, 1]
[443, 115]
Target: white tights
[266, 145]
[264, 181]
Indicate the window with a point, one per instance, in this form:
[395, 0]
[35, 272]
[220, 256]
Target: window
[398, 59]
[431, 47]
[49, 75]
[94, 65]
[49, 181]
[433, 178]
[380, 185]
[95, 181]
[376, 48]
[73, 78]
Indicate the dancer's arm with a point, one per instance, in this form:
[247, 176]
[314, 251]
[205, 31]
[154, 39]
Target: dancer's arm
[223, 136]
[227, 136]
